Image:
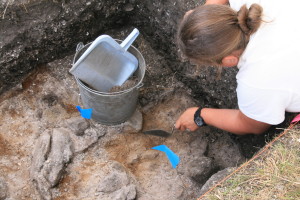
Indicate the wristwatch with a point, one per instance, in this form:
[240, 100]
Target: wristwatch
[198, 119]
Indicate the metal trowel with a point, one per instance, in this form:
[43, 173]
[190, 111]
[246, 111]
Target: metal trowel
[159, 132]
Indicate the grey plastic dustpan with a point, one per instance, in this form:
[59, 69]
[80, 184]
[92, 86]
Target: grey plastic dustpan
[106, 63]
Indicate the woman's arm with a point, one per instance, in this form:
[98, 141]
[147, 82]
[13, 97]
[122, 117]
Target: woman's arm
[230, 120]
[233, 121]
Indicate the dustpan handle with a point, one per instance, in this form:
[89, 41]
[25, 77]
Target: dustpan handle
[130, 39]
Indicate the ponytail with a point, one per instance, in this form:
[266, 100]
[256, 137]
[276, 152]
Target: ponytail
[249, 20]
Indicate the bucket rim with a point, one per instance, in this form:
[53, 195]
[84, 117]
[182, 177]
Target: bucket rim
[138, 85]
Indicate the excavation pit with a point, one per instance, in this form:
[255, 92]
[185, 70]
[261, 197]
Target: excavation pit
[48, 151]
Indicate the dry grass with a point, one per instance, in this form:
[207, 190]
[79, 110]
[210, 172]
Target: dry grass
[9, 2]
[274, 175]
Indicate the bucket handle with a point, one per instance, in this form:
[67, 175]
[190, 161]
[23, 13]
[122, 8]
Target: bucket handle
[140, 85]
[79, 46]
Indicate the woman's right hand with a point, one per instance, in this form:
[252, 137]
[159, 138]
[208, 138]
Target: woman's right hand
[186, 120]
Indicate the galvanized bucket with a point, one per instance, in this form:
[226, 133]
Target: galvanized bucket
[115, 107]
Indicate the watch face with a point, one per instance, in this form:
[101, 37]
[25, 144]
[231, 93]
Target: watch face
[199, 121]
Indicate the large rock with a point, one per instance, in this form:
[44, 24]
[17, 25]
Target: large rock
[200, 169]
[60, 155]
[215, 179]
[3, 189]
[52, 153]
[117, 185]
[78, 125]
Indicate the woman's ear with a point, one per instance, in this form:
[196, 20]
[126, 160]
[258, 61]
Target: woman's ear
[230, 61]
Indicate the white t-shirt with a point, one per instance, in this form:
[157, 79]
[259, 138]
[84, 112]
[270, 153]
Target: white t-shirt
[269, 69]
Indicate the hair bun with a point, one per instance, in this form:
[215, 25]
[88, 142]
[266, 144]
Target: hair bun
[249, 20]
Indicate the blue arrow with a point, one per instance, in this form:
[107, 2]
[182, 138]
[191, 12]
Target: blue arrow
[173, 158]
[85, 113]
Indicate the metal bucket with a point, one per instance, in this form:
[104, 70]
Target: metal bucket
[115, 107]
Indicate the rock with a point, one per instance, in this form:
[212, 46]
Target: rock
[134, 124]
[78, 125]
[117, 166]
[199, 144]
[3, 189]
[214, 179]
[40, 154]
[81, 143]
[60, 154]
[43, 187]
[126, 193]
[113, 182]
[224, 151]
[128, 7]
[90, 137]
[117, 184]
[51, 154]
[133, 158]
[97, 130]
[199, 169]
[149, 155]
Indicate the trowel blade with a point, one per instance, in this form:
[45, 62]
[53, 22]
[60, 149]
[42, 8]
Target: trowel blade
[157, 132]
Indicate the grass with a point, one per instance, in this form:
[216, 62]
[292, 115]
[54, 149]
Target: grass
[275, 174]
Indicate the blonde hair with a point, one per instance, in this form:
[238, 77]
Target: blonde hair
[212, 32]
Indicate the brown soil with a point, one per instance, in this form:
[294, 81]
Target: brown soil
[130, 83]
